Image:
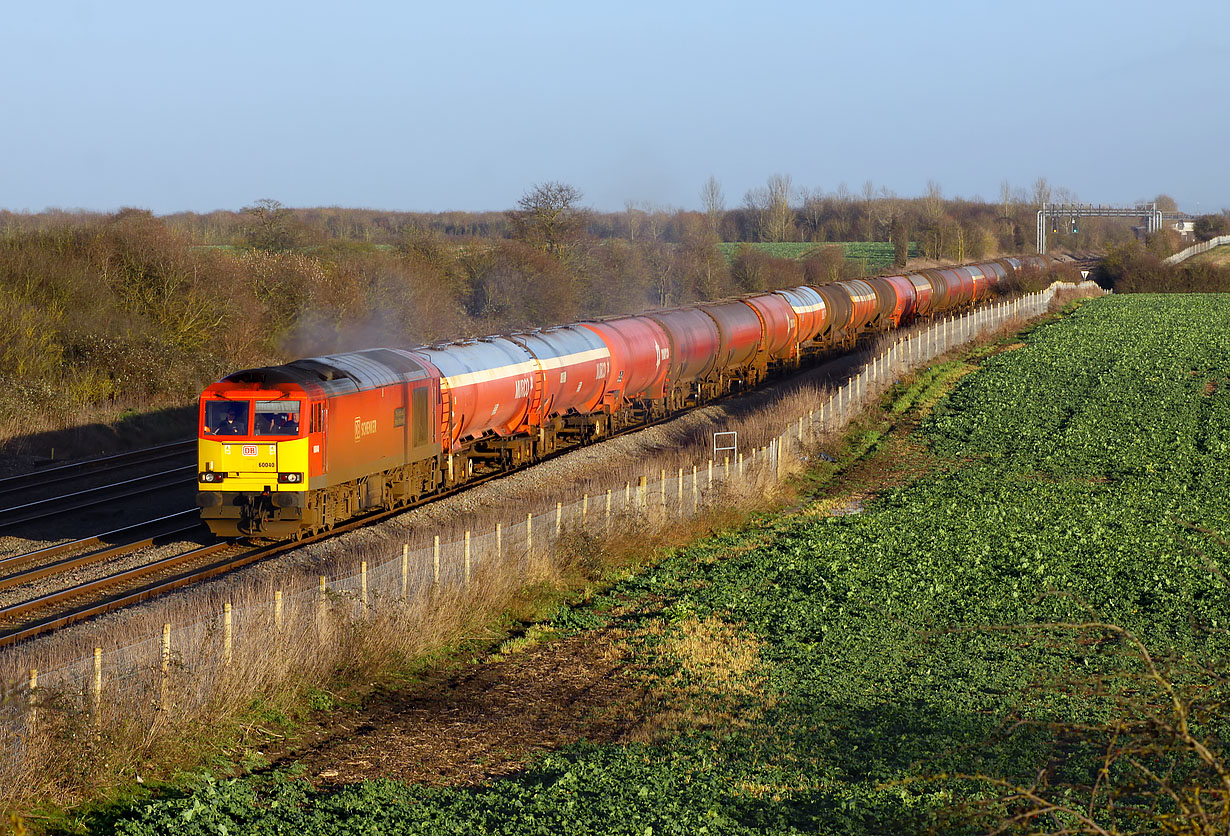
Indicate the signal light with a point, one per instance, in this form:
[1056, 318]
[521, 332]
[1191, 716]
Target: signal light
[290, 478]
[211, 477]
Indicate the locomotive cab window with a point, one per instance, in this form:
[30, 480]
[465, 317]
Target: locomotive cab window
[277, 418]
[226, 418]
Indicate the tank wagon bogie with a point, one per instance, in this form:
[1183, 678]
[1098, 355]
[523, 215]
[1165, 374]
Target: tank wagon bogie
[290, 450]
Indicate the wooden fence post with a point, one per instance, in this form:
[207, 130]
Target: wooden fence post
[32, 697]
[228, 634]
[499, 542]
[164, 677]
[695, 491]
[405, 570]
[585, 509]
[363, 587]
[96, 687]
[529, 538]
[559, 519]
[467, 558]
[278, 621]
[641, 486]
[608, 509]
[435, 564]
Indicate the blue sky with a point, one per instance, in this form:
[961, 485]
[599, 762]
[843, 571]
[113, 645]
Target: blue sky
[437, 106]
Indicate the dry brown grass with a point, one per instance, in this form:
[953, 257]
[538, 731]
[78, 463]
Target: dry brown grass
[152, 723]
[716, 674]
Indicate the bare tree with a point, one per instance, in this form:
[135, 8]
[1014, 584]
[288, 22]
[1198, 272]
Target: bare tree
[1166, 203]
[869, 194]
[633, 217]
[272, 226]
[770, 205]
[1042, 191]
[1006, 204]
[812, 201]
[549, 216]
[714, 203]
[933, 202]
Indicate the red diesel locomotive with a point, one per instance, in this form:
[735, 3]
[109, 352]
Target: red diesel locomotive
[287, 451]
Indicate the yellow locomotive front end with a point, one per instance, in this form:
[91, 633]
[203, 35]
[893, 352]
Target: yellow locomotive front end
[253, 461]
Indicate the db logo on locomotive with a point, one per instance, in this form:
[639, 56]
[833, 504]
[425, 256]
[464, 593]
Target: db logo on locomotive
[362, 428]
[249, 449]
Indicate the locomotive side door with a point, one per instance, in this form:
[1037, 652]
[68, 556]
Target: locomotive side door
[318, 459]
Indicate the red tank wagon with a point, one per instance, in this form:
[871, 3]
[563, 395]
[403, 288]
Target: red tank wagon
[809, 312]
[778, 325]
[290, 450]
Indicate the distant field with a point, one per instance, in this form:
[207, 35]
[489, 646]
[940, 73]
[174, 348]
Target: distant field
[877, 254]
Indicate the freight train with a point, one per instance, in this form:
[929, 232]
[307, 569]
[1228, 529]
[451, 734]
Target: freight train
[289, 451]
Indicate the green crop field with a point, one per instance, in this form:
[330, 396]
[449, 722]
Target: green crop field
[830, 674]
[878, 255]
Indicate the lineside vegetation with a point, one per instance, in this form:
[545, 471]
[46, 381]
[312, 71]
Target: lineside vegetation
[1027, 636]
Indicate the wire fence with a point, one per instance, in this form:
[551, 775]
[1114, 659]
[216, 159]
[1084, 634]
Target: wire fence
[185, 666]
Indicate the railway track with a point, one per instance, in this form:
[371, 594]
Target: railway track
[61, 608]
[14, 573]
[105, 594]
[93, 497]
[26, 483]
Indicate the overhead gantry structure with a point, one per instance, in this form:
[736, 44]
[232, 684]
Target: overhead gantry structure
[1148, 213]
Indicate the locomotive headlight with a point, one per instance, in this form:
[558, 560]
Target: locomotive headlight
[290, 478]
[211, 477]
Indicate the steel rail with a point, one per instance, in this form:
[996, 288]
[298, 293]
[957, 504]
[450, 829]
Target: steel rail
[45, 479]
[195, 576]
[221, 567]
[16, 610]
[99, 556]
[103, 493]
[85, 542]
[100, 464]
